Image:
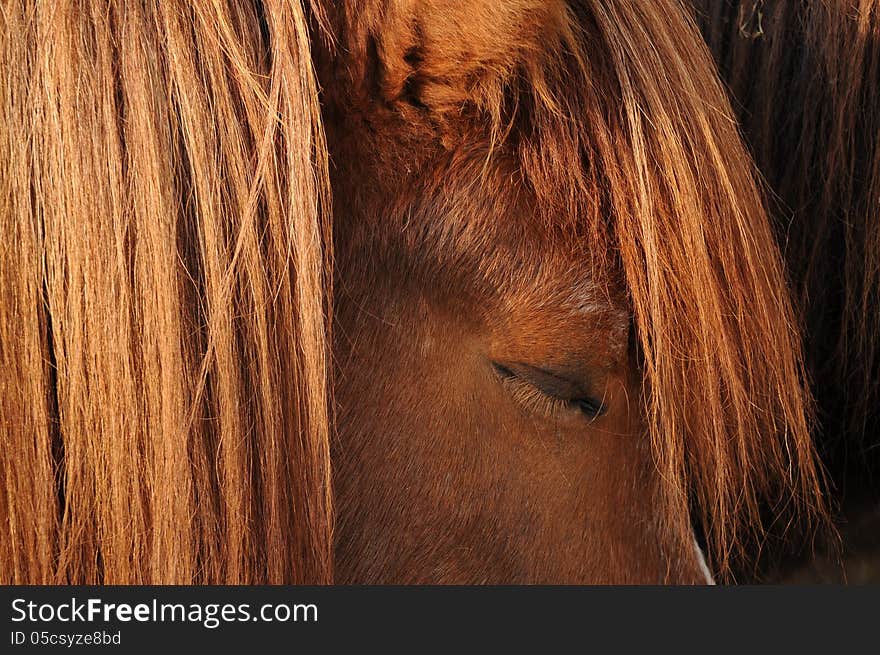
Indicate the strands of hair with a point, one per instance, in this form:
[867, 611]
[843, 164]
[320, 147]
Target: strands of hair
[805, 77]
[164, 275]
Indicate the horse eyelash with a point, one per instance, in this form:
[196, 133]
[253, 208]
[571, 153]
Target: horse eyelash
[534, 400]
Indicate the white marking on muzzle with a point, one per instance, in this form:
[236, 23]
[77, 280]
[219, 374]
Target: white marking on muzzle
[701, 558]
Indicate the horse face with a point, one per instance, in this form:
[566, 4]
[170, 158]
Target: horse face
[490, 427]
[489, 405]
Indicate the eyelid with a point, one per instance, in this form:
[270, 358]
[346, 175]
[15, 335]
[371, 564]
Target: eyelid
[546, 381]
[541, 389]
[532, 398]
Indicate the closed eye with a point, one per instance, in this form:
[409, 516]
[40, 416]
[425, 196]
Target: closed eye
[545, 391]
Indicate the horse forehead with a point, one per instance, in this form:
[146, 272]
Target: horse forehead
[550, 303]
[587, 296]
[567, 276]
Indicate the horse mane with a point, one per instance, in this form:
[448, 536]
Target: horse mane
[166, 276]
[805, 77]
[165, 294]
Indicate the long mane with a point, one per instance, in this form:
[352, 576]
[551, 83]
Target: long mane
[164, 283]
[806, 79]
[165, 280]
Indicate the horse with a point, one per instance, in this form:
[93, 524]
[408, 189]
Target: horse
[805, 79]
[386, 292]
